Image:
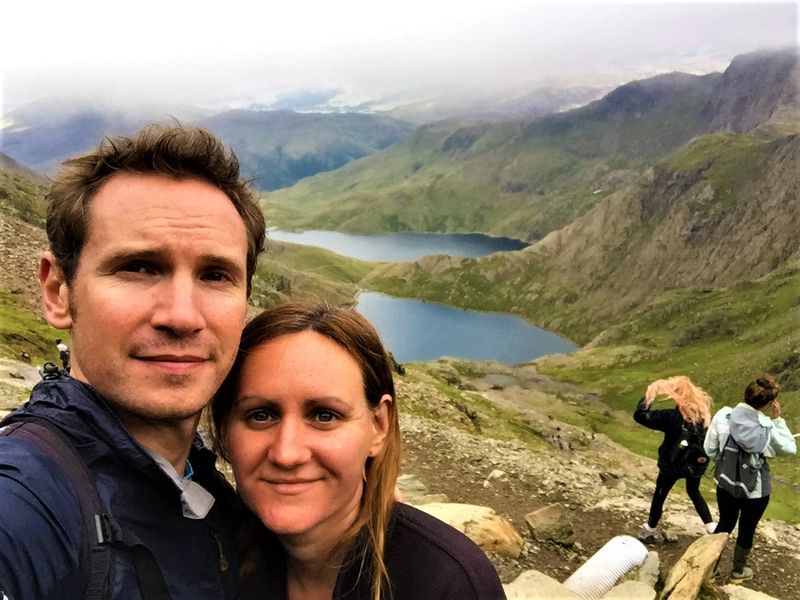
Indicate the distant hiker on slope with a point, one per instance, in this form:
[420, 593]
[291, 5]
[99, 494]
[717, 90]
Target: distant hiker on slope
[63, 354]
[740, 439]
[681, 454]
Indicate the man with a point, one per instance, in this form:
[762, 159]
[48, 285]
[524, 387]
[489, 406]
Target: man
[153, 244]
[63, 354]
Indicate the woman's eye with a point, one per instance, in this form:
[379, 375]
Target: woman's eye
[325, 416]
[259, 416]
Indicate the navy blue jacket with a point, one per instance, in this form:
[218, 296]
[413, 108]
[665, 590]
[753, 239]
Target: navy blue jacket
[40, 519]
[425, 559]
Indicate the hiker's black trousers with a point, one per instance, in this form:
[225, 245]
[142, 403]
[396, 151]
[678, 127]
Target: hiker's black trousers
[664, 484]
[748, 511]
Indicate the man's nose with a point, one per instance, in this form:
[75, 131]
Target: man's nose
[177, 306]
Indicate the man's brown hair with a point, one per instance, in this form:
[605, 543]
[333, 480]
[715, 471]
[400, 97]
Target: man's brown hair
[178, 152]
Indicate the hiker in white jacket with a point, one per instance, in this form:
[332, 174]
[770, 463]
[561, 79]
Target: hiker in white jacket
[758, 429]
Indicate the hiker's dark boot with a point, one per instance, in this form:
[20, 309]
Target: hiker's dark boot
[740, 572]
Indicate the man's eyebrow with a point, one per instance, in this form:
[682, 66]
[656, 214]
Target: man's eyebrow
[152, 254]
[129, 254]
[224, 261]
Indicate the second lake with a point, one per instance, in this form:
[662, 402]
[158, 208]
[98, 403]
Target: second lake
[418, 331]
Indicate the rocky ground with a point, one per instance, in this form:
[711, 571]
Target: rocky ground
[603, 488]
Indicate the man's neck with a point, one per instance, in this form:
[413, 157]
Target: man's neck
[171, 440]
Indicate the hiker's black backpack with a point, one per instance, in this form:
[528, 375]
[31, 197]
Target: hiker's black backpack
[101, 533]
[687, 457]
[736, 471]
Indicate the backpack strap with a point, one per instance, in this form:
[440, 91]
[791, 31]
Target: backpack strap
[101, 531]
[95, 560]
[148, 573]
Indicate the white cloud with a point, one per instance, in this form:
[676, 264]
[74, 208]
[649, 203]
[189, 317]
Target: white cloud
[214, 51]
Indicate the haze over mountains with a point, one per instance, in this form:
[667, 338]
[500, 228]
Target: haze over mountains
[276, 148]
[278, 143]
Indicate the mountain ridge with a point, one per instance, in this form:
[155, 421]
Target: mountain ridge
[527, 177]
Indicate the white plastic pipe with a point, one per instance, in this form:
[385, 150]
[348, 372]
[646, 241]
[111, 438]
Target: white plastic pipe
[600, 573]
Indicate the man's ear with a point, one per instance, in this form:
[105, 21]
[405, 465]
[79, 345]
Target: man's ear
[55, 292]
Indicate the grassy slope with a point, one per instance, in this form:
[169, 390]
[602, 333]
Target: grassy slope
[277, 148]
[290, 271]
[20, 329]
[521, 178]
[21, 197]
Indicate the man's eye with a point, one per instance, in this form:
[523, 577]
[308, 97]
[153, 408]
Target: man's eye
[137, 267]
[216, 276]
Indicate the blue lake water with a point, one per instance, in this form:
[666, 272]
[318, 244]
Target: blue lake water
[419, 331]
[399, 246]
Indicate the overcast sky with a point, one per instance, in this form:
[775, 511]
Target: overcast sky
[216, 53]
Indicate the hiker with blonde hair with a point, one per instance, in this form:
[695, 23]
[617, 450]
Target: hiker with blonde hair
[681, 454]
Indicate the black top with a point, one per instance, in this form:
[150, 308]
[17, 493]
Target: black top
[668, 420]
[425, 559]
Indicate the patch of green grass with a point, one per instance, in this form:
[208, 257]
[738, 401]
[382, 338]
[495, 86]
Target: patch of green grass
[22, 197]
[22, 330]
[291, 272]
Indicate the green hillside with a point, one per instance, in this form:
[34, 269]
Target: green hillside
[293, 272]
[521, 178]
[278, 148]
[22, 192]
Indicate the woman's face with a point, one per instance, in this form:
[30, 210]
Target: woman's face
[300, 432]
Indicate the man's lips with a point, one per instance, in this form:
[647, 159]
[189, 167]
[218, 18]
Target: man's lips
[173, 358]
[174, 364]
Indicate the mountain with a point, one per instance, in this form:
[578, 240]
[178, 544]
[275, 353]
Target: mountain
[527, 177]
[42, 134]
[520, 101]
[278, 148]
[22, 191]
[757, 88]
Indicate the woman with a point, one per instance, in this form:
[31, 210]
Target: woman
[308, 420]
[757, 428]
[680, 454]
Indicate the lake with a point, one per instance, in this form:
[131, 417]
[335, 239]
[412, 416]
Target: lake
[397, 247]
[418, 331]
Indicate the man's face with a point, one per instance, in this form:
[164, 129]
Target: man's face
[158, 301]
